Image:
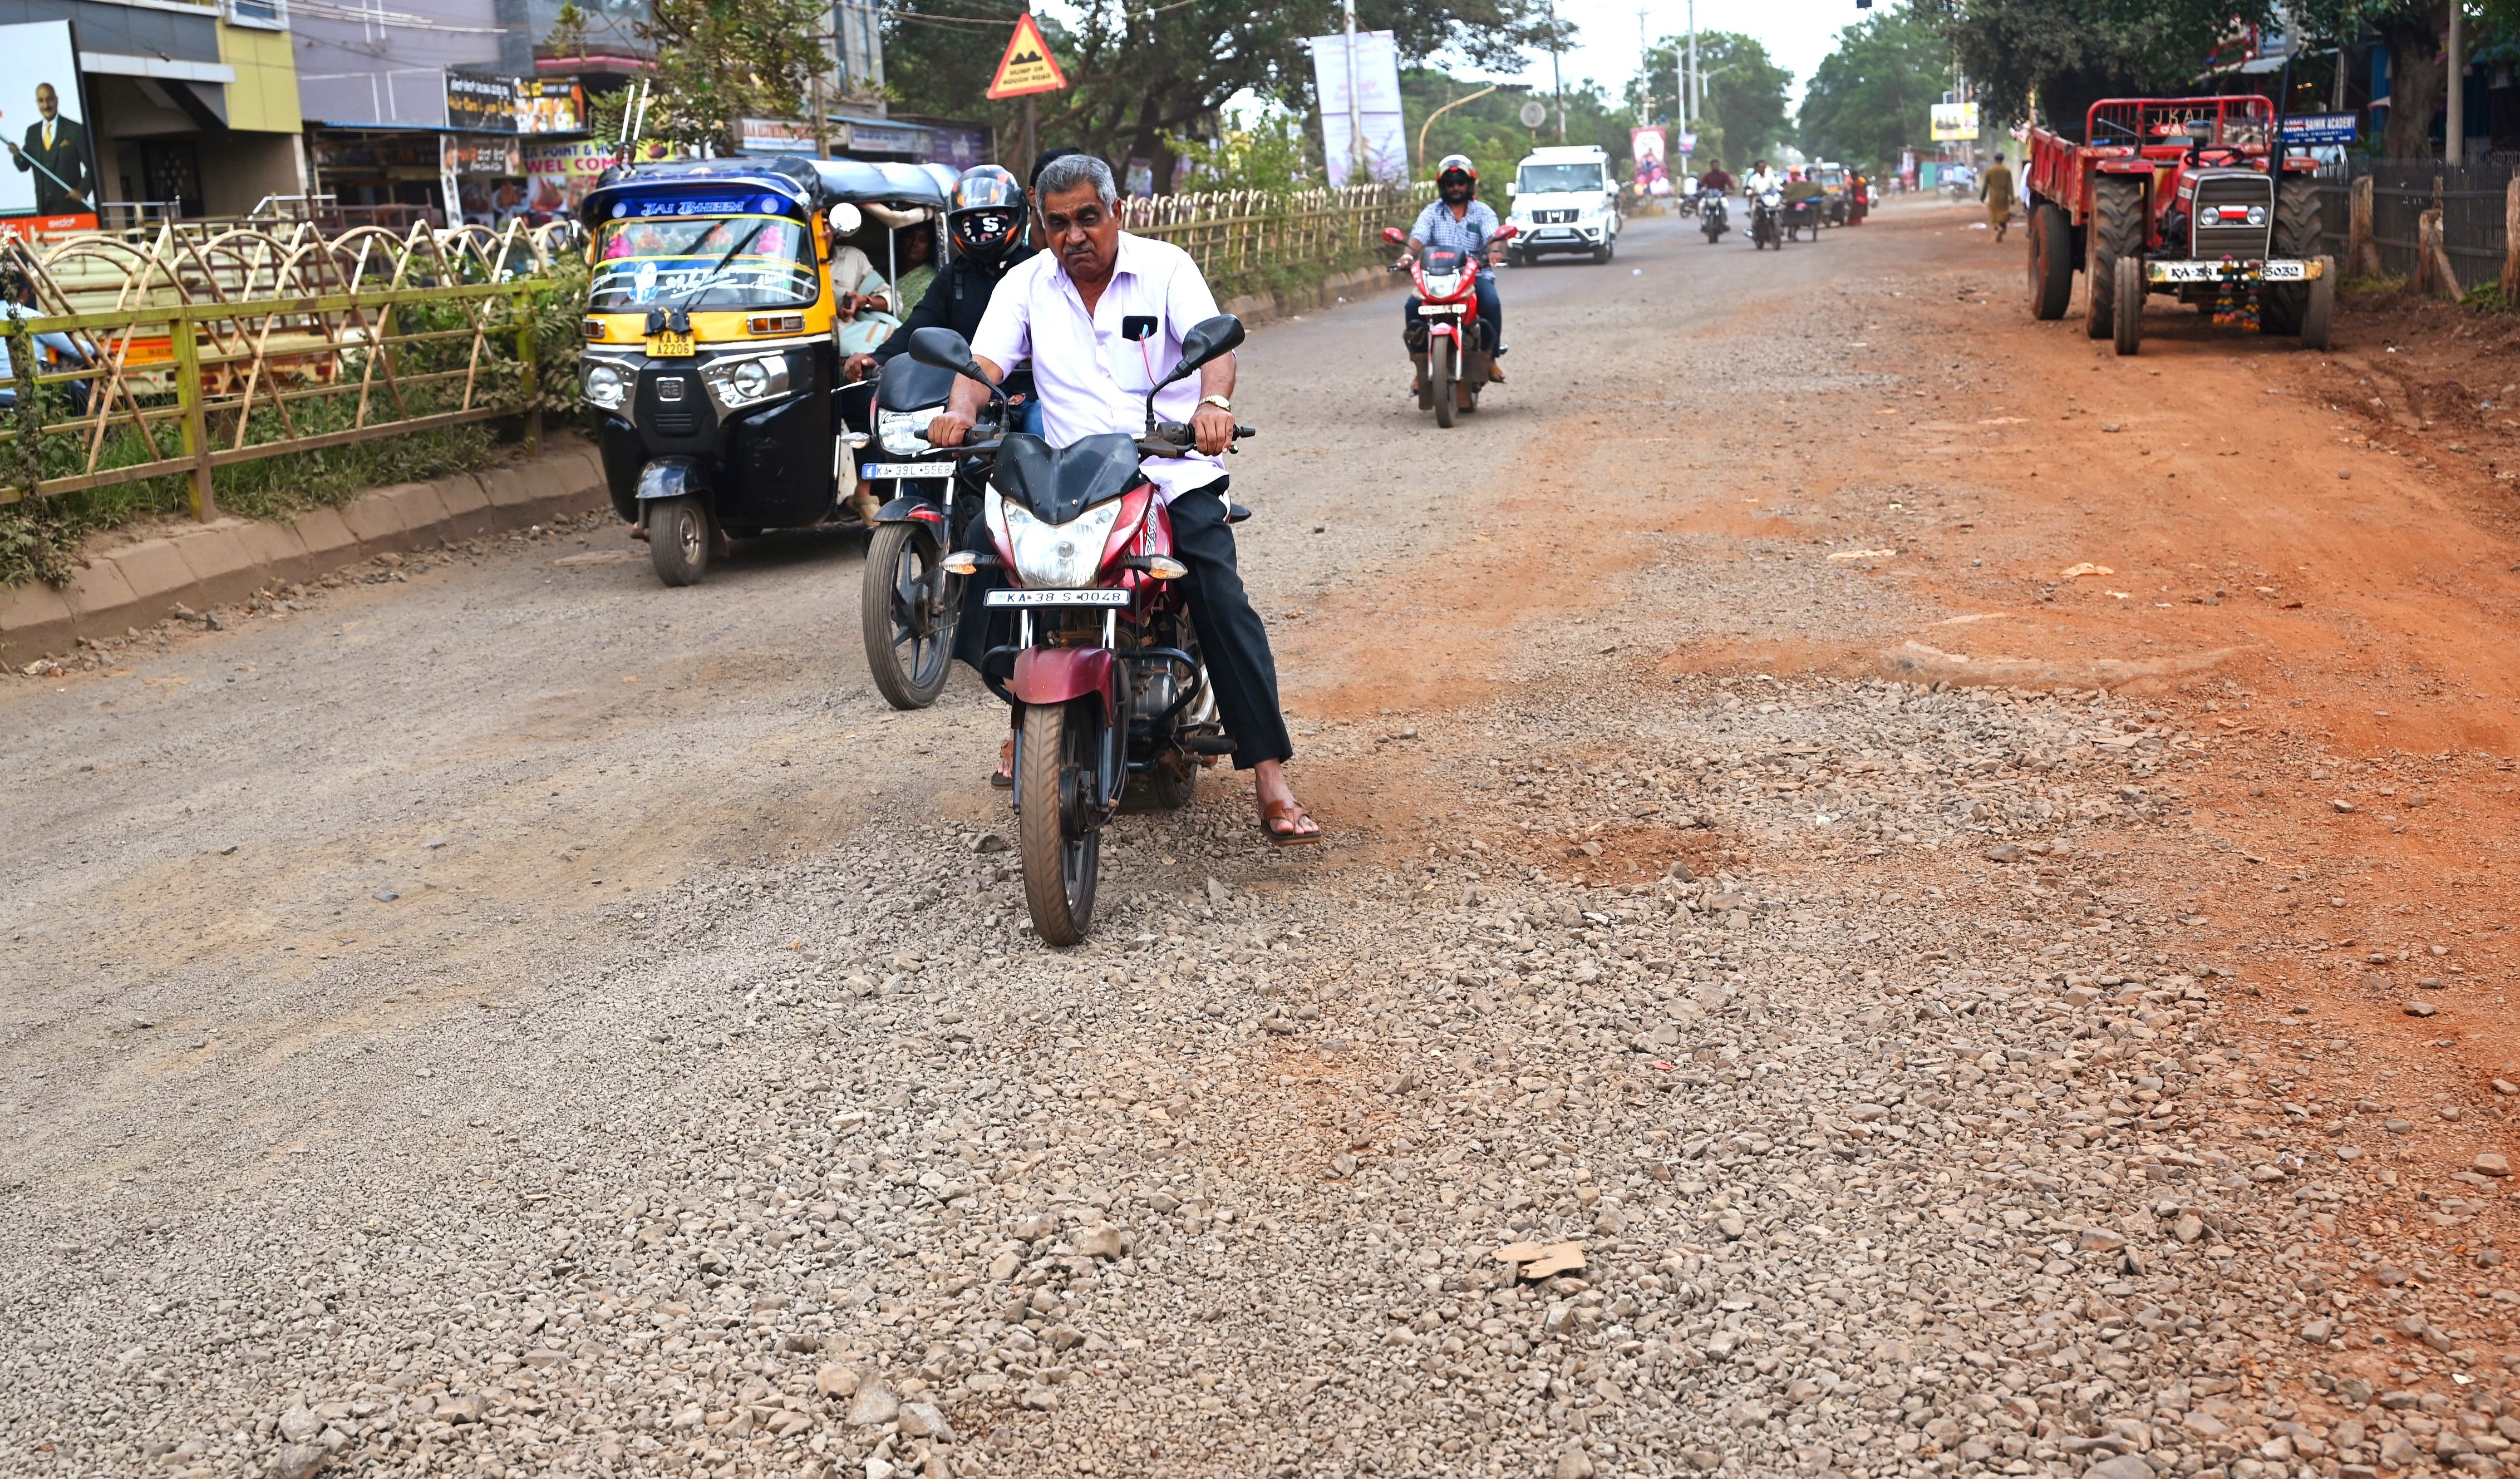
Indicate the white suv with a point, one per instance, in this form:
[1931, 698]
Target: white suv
[1564, 199]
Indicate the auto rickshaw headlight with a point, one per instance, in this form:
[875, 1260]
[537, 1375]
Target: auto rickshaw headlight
[738, 384]
[605, 386]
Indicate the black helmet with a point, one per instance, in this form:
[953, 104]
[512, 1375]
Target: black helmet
[985, 213]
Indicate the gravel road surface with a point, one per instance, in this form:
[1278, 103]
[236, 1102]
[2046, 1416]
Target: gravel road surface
[503, 1017]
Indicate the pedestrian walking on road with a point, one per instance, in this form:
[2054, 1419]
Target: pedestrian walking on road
[1995, 188]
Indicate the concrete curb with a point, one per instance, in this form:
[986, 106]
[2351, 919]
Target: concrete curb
[135, 584]
[1258, 308]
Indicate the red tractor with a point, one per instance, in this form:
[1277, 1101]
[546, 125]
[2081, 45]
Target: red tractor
[2172, 195]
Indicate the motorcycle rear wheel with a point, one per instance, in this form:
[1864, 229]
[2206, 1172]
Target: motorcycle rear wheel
[1440, 374]
[1059, 827]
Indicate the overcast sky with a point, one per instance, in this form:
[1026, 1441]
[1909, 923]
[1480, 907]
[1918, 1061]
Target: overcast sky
[1796, 32]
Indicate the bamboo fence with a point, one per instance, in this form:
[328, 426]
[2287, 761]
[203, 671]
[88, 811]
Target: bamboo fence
[1242, 239]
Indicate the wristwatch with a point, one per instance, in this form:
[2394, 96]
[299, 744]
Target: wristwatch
[1219, 402]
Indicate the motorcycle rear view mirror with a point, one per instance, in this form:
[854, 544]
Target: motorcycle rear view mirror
[941, 348]
[1394, 235]
[1207, 339]
[847, 219]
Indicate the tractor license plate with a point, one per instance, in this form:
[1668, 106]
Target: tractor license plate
[1058, 599]
[671, 346]
[1439, 310]
[2291, 272]
[872, 471]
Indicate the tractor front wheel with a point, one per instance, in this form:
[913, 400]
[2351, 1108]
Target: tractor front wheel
[2321, 307]
[2127, 325]
[2117, 230]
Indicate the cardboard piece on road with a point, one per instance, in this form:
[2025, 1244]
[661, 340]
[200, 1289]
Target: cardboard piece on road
[1541, 1260]
[1027, 66]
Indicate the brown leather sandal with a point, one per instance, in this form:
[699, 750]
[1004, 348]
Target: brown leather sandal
[1293, 815]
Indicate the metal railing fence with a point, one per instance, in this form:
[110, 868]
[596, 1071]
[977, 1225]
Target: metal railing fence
[2471, 200]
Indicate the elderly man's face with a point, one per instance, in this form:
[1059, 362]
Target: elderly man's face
[1083, 231]
[47, 102]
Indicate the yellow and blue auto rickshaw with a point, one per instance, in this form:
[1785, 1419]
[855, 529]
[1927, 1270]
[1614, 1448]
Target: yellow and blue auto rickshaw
[724, 298]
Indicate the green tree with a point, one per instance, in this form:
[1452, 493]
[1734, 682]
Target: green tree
[720, 61]
[1870, 97]
[1142, 74]
[1744, 113]
[2070, 53]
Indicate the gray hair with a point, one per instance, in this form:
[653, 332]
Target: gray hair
[1068, 171]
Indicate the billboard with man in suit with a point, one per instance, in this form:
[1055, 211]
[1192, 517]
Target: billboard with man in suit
[42, 112]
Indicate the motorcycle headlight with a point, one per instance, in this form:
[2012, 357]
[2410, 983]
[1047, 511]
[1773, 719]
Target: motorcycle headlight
[1058, 556]
[1443, 285]
[904, 433]
[604, 385]
[1772, 197]
[736, 384]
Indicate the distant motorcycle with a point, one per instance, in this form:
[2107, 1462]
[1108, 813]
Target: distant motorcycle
[1712, 217]
[1768, 220]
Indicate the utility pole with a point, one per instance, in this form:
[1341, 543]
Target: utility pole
[1644, 75]
[1695, 103]
[1557, 84]
[1355, 105]
[2455, 135]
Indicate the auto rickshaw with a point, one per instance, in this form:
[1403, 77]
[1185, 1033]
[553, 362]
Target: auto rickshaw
[1834, 194]
[713, 347]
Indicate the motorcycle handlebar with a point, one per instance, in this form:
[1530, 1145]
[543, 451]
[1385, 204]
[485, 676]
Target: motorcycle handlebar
[1175, 440]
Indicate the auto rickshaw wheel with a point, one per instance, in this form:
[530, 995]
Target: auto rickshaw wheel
[907, 610]
[679, 540]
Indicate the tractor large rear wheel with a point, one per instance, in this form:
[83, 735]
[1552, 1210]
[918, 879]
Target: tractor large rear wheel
[2051, 261]
[2117, 229]
[2297, 239]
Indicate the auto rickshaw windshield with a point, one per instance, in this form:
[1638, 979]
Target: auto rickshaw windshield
[704, 262]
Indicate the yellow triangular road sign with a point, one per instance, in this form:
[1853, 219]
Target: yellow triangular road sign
[1027, 66]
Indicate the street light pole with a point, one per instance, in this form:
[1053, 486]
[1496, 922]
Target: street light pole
[1355, 105]
[1695, 103]
[1644, 75]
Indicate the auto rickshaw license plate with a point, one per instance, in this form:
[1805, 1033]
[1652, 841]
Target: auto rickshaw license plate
[671, 346]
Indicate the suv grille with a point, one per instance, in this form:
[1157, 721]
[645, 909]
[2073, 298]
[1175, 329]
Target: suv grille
[2220, 212]
[1552, 217]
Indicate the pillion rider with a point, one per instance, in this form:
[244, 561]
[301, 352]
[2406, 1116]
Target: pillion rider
[1067, 312]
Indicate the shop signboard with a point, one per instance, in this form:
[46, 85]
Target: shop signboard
[886, 138]
[480, 105]
[958, 147]
[779, 135]
[482, 156]
[43, 125]
[2321, 128]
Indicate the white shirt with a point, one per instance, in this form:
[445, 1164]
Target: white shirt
[1089, 378]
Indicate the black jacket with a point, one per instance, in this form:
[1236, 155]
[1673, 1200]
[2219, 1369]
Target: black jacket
[955, 300]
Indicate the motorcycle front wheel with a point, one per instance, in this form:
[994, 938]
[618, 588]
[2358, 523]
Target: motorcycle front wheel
[907, 610]
[1061, 827]
[1441, 371]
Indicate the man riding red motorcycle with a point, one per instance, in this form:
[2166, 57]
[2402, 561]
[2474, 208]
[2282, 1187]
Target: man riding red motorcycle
[1463, 222]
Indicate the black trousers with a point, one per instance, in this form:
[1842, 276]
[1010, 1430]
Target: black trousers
[1231, 637]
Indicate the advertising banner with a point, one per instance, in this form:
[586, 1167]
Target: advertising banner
[1653, 172]
[480, 105]
[1373, 75]
[1952, 121]
[557, 177]
[549, 105]
[44, 124]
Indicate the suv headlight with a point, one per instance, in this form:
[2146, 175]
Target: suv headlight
[603, 384]
[734, 383]
[904, 433]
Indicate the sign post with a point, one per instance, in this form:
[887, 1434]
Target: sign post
[1025, 71]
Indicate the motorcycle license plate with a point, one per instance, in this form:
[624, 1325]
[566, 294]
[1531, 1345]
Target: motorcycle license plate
[1058, 599]
[872, 471]
[1440, 310]
[671, 346]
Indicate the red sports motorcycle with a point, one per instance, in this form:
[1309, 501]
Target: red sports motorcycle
[1448, 344]
[1109, 690]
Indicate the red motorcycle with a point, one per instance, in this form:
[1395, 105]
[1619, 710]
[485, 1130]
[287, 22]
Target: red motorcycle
[1104, 676]
[1448, 344]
